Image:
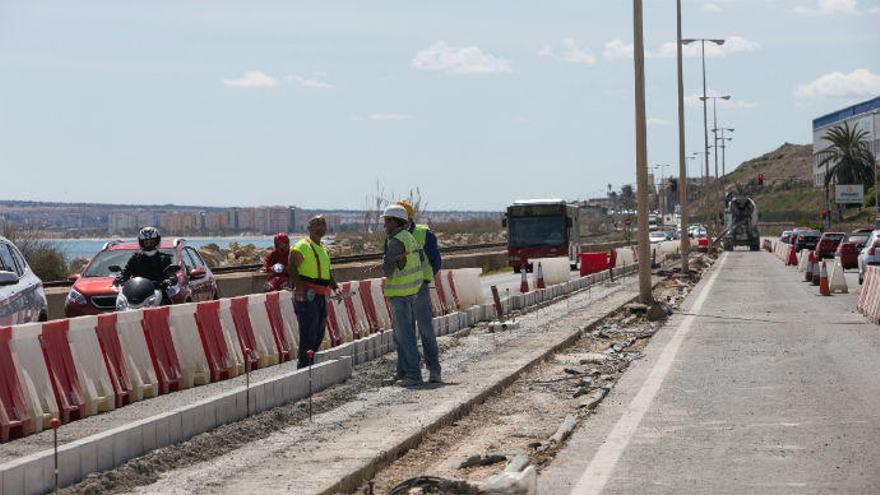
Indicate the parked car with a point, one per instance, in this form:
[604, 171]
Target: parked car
[869, 255]
[785, 238]
[828, 243]
[805, 239]
[93, 291]
[22, 299]
[657, 237]
[848, 250]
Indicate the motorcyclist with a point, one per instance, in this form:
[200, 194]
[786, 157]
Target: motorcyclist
[280, 254]
[149, 262]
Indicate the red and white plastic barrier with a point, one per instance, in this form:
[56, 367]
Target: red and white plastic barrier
[91, 369]
[869, 298]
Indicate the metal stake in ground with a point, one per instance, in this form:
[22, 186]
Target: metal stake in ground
[507, 312]
[311, 356]
[247, 379]
[55, 425]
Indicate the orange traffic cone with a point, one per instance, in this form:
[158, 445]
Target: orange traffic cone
[540, 275]
[808, 275]
[524, 281]
[792, 257]
[824, 289]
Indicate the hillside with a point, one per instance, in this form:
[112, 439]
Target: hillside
[789, 161]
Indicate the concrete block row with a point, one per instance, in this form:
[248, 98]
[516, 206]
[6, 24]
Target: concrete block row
[34, 474]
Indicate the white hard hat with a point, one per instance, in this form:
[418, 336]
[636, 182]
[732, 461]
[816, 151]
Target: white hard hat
[395, 211]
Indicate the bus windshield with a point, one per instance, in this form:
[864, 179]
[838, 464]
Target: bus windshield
[537, 226]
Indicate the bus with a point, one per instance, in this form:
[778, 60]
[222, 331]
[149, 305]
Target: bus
[549, 228]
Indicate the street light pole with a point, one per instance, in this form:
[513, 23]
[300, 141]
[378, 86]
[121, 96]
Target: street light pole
[703, 41]
[682, 162]
[645, 296]
[723, 146]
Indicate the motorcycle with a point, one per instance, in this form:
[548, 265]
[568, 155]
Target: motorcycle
[140, 292]
[278, 279]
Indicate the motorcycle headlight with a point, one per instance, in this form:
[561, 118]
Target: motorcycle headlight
[75, 297]
[121, 302]
[173, 290]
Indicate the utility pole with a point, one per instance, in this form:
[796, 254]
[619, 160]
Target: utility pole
[682, 162]
[723, 147]
[645, 296]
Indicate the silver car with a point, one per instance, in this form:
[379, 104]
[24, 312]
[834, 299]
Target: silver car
[22, 298]
[870, 254]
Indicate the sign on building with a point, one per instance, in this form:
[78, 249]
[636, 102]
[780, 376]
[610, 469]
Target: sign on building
[849, 194]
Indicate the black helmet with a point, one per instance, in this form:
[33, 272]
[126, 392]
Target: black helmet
[149, 234]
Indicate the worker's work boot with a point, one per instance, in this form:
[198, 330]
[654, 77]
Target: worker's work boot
[434, 377]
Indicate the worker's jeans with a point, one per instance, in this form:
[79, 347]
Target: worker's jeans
[311, 316]
[425, 323]
[403, 323]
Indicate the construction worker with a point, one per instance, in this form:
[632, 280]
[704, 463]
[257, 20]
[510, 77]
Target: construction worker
[309, 268]
[431, 262]
[402, 266]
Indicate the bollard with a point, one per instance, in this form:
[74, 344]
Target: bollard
[247, 379]
[55, 423]
[311, 356]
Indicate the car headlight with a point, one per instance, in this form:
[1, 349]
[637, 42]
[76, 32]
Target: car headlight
[121, 302]
[75, 297]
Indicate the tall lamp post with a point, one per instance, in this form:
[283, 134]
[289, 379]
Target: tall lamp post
[715, 124]
[724, 138]
[703, 41]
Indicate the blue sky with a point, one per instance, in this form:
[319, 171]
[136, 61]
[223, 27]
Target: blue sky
[475, 103]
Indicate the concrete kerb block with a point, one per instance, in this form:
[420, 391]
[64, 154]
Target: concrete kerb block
[39, 473]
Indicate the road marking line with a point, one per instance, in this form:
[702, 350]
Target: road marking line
[602, 465]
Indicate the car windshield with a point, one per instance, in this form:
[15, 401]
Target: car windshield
[833, 237]
[100, 265]
[858, 238]
[537, 231]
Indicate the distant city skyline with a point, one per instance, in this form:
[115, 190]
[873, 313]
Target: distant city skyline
[475, 103]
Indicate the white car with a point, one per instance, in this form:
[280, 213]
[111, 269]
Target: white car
[22, 299]
[870, 254]
[657, 237]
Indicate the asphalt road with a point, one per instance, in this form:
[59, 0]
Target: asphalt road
[765, 387]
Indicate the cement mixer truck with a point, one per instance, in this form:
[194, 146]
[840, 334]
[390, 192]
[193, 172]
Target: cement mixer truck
[741, 224]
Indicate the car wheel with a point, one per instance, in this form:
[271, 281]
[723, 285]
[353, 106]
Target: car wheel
[861, 279]
[43, 316]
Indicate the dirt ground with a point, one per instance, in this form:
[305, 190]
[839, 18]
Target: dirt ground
[522, 418]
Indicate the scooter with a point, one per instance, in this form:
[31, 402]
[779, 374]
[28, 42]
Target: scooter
[140, 292]
[278, 279]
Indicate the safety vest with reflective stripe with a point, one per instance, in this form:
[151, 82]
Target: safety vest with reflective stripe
[315, 266]
[420, 232]
[407, 281]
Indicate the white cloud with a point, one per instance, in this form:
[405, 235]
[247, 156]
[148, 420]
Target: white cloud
[617, 49]
[711, 8]
[653, 121]
[860, 82]
[520, 120]
[442, 57]
[252, 79]
[307, 82]
[829, 7]
[568, 52]
[391, 116]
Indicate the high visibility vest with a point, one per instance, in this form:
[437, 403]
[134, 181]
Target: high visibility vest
[420, 233]
[315, 267]
[407, 281]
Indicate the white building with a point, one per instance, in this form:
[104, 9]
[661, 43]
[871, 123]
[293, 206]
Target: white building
[865, 115]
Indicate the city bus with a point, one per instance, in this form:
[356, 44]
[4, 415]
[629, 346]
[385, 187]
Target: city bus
[549, 228]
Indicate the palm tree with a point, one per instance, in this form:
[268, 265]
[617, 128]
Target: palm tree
[848, 158]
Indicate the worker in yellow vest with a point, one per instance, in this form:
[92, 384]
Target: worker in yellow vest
[402, 266]
[309, 268]
[424, 315]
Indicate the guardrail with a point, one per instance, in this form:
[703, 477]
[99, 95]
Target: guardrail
[338, 260]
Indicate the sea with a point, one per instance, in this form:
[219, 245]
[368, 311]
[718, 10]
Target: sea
[87, 248]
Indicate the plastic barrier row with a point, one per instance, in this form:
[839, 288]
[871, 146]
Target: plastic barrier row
[82, 366]
[869, 298]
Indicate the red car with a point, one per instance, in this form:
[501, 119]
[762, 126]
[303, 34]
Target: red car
[827, 244]
[93, 291]
[848, 250]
